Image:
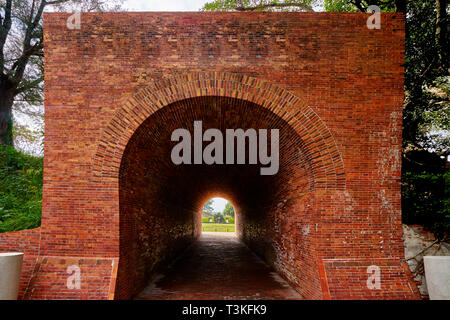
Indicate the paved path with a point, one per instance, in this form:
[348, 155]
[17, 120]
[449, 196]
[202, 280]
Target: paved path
[219, 266]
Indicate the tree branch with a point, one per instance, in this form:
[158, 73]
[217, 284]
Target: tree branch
[55, 2]
[29, 85]
[28, 50]
[358, 4]
[423, 250]
[441, 33]
[4, 30]
[23, 60]
[302, 6]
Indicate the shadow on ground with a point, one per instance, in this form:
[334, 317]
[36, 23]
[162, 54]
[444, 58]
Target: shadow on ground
[219, 266]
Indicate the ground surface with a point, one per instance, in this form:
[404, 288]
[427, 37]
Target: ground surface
[218, 266]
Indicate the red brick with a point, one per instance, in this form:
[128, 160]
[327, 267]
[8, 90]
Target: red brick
[116, 88]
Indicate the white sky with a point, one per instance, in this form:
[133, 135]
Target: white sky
[219, 204]
[164, 5]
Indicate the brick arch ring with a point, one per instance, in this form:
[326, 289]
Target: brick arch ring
[326, 159]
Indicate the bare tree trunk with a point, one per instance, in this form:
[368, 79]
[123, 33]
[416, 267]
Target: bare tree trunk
[441, 33]
[6, 103]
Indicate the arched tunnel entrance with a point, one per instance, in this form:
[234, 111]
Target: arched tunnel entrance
[160, 202]
[114, 203]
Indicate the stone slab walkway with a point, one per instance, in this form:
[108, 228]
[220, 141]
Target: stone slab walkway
[219, 266]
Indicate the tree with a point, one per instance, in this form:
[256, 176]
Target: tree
[229, 210]
[218, 218]
[260, 5]
[426, 116]
[21, 53]
[426, 109]
[208, 207]
[339, 6]
[304, 5]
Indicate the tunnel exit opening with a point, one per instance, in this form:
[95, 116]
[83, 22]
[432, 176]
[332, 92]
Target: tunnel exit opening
[218, 215]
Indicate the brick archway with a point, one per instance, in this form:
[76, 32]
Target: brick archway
[351, 137]
[328, 166]
[319, 151]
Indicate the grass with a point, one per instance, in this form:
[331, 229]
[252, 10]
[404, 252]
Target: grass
[218, 227]
[20, 190]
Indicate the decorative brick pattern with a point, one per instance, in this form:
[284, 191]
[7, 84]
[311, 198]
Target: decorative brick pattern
[329, 169]
[353, 272]
[51, 275]
[117, 87]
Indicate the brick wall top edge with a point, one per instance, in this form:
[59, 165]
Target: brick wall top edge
[229, 13]
[54, 17]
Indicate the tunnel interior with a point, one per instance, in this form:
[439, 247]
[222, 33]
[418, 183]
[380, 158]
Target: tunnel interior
[161, 202]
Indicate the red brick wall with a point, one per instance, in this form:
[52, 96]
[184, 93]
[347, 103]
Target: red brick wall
[331, 85]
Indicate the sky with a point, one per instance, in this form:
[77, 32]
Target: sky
[164, 5]
[219, 204]
[168, 5]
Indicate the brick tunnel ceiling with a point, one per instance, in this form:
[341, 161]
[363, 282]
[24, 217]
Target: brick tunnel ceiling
[147, 157]
[161, 202]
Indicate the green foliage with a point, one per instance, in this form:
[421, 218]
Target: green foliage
[208, 208]
[230, 220]
[22, 61]
[425, 201]
[21, 179]
[357, 5]
[339, 6]
[426, 122]
[215, 227]
[28, 140]
[434, 127]
[260, 5]
[229, 210]
[218, 218]
[426, 112]
[224, 5]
